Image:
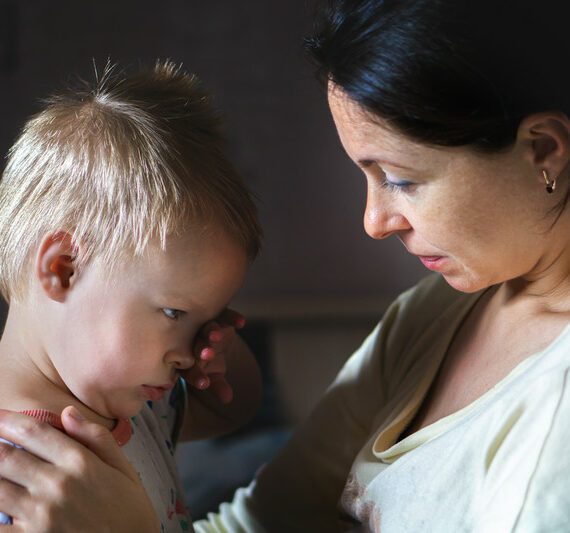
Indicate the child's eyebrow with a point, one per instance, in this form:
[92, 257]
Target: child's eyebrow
[189, 305]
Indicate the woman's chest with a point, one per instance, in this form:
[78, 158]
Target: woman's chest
[480, 356]
[464, 376]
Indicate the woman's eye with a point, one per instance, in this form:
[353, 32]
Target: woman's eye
[394, 183]
[173, 314]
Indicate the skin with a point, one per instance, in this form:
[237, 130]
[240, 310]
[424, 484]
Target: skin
[485, 222]
[61, 482]
[93, 340]
[484, 214]
[98, 339]
[60, 486]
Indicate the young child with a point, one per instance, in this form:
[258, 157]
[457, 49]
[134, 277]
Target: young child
[124, 233]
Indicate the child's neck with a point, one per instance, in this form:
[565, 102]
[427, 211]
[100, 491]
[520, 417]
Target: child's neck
[28, 380]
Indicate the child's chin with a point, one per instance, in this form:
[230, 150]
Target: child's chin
[129, 413]
[125, 413]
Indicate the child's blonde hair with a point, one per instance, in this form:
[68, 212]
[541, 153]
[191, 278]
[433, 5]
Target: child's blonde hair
[133, 158]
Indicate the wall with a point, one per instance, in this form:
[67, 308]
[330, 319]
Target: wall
[250, 55]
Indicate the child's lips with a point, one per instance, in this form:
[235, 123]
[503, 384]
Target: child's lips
[156, 393]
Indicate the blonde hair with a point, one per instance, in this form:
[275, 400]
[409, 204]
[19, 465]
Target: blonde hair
[133, 158]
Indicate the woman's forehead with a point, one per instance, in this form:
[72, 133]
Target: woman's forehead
[368, 137]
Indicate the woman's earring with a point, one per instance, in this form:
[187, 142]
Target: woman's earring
[550, 185]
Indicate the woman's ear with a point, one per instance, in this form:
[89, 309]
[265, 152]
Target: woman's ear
[547, 135]
[55, 264]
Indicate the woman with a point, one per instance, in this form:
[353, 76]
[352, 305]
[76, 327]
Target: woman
[452, 415]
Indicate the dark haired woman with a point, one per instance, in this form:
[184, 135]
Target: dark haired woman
[453, 415]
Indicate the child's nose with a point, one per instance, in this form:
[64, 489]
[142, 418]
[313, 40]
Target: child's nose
[182, 359]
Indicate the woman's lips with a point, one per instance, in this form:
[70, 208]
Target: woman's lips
[433, 262]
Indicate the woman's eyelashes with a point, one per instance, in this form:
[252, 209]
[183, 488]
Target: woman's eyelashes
[387, 181]
[393, 183]
[173, 314]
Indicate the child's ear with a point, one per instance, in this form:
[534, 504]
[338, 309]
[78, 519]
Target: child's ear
[55, 264]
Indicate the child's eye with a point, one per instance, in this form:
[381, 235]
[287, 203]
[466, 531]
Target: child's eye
[173, 314]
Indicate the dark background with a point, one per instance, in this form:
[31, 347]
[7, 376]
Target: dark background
[249, 54]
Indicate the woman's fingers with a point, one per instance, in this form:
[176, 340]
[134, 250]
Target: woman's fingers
[49, 446]
[69, 487]
[20, 467]
[98, 439]
[14, 499]
[34, 493]
[24, 430]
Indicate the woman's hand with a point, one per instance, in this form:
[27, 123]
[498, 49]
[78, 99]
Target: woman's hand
[61, 484]
[214, 341]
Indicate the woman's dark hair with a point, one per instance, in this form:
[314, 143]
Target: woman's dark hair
[447, 72]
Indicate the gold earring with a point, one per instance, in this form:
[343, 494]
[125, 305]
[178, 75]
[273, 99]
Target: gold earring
[550, 185]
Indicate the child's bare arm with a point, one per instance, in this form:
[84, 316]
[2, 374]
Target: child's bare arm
[225, 384]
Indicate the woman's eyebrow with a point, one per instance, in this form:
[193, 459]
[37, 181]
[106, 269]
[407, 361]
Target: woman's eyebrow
[367, 162]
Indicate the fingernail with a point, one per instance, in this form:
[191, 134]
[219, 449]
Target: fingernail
[215, 336]
[207, 353]
[75, 414]
[203, 383]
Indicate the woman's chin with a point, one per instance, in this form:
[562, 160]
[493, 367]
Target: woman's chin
[465, 283]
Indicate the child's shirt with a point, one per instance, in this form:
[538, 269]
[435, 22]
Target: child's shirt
[148, 441]
[151, 452]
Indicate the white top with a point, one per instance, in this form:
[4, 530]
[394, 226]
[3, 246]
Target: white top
[501, 464]
[151, 452]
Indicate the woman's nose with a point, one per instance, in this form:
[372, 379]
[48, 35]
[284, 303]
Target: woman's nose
[381, 216]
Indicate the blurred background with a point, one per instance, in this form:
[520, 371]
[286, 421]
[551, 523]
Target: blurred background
[320, 283]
